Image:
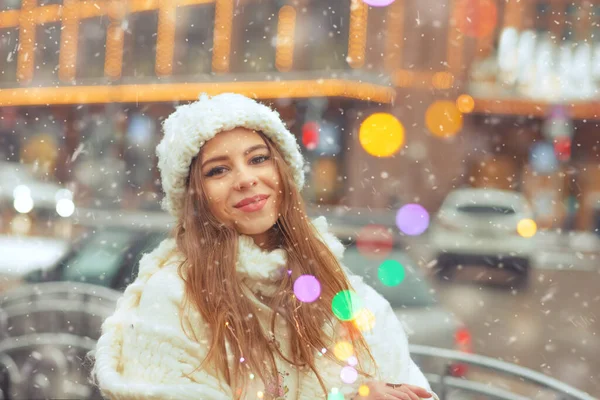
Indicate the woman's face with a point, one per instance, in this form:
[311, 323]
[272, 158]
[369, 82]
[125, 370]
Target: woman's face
[237, 165]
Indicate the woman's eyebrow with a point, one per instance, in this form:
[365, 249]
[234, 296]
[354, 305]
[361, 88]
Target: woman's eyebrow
[225, 157]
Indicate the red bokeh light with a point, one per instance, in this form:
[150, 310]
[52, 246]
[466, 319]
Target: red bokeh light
[310, 135]
[562, 148]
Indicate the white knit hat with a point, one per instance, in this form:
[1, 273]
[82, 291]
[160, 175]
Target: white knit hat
[191, 125]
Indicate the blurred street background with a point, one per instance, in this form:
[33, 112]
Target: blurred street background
[457, 137]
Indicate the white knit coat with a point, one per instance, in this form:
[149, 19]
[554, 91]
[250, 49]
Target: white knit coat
[143, 352]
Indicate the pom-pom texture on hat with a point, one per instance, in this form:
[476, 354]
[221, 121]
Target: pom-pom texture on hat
[191, 125]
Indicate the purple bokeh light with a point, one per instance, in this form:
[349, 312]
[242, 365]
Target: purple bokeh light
[349, 375]
[379, 3]
[412, 219]
[307, 288]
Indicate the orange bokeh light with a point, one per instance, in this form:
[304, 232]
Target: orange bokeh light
[443, 118]
[465, 103]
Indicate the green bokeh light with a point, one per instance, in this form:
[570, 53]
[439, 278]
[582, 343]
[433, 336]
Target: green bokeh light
[391, 273]
[345, 305]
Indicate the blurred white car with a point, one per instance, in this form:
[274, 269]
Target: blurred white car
[26, 200]
[479, 226]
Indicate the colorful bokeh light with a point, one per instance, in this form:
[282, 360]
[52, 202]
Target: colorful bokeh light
[310, 135]
[465, 103]
[412, 219]
[345, 305]
[349, 375]
[443, 118]
[381, 135]
[374, 241]
[364, 320]
[307, 288]
[343, 350]
[364, 390]
[527, 228]
[391, 273]
[378, 3]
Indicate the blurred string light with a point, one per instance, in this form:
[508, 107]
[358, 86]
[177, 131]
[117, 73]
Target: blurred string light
[374, 241]
[307, 288]
[442, 80]
[69, 35]
[379, 3]
[115, 37]
[189, 91]
[476, 18]
[412, 219]
[310, 135]
[443, 118]
[165, 37]
[27, 29]
[345, 305]
[357, 36]
[381, 135]
[286, 28]
[465, 103]
[527, 228]
[391, 273]
[222, 35]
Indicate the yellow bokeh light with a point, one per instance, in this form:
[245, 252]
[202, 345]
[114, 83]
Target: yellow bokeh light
[443, 118]
[381, 135]
[364, 320]
[465, 103]
[363, 390]
[527, 227]
[343, 350]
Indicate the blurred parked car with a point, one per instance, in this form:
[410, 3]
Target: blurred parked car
[109, 257]
[479, 226]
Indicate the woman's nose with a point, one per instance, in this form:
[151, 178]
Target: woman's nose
[244, 180]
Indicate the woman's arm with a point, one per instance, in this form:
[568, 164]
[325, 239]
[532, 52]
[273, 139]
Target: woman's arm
[387, 340]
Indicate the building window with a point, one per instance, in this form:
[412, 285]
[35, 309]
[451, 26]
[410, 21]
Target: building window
[9, 43]
[47, 39]
[91, 48]
[256, 29]
[322, 37]
[139, 53]
[194, 40]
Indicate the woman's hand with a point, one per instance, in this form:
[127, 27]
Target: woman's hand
[381, 391]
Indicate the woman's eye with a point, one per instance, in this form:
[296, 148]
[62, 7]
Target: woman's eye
[263, 158]
[255, 160]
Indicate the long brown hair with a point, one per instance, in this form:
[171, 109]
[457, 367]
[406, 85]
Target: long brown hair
[210, 251]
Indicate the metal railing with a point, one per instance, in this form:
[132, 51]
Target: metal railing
[47, 329]
[444, 383]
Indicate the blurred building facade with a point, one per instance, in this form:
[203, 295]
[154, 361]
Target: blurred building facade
[93, 80]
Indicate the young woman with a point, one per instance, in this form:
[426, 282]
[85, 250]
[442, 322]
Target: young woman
[213, 313]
